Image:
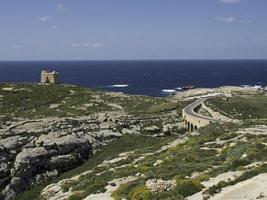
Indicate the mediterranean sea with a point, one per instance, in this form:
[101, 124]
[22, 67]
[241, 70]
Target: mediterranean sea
[153, 78]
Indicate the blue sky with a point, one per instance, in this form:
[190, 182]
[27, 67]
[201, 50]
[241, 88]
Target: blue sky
[132, 29]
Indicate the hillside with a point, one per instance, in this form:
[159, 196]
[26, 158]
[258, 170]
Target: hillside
[66, 142]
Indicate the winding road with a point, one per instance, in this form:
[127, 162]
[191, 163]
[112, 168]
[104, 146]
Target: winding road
[195, 120]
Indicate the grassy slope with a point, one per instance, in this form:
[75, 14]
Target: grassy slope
[181, 161]
[241, 107]
[178, 162]
[126, 143]
[34, 101]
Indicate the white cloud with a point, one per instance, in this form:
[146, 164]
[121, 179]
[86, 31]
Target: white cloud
[88, 45]
[60, 7]
[232, 20]
[43, 19]
[98, 45]
[225, 19]
[230, 1]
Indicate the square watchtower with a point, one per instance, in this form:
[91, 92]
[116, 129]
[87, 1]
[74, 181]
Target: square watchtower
[48, 77]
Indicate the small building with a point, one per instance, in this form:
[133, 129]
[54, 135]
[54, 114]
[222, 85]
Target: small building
[48, 77]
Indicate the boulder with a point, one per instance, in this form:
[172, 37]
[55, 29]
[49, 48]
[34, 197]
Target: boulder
[159, 185]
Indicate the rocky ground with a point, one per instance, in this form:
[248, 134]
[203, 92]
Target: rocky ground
[35, 150]
[92, 144]
[208, 181]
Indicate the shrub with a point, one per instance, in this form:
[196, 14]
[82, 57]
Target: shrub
[239, 162]
[188, 187]
[140, 193]
[170, 195]
[216, 188]
[124, 189]
[202, 177]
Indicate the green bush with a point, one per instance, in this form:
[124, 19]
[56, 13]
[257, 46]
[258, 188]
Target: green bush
[202, 177]
[124, 189]
[217, 188]
[239, 162]
[168, 195]
[140, 193]
[188, 187]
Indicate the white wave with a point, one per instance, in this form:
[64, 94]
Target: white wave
[245, 86]
[251, 86]
[257, 87]
[119, 85]
[179, 88]
[168, 90]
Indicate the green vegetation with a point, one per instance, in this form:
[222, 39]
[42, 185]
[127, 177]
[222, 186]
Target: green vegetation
[124, 189]
[188, 187]
[123, 144]
[217, 149]
[241, 107]
[184, 159]
[136, 190]
[36, 101]
[177, 163]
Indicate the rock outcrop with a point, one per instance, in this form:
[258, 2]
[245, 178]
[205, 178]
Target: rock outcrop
[159, 185]
[32, 152]
[35, 151]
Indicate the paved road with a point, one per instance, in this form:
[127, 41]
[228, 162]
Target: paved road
[189, 110]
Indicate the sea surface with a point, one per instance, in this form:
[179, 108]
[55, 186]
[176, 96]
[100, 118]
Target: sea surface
[153, 78]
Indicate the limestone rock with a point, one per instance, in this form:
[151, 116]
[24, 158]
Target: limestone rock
[13, 142]
[102, 117]
[129, 131]
[152, 129]
[39, 164]
[160, 185]
[108, 125]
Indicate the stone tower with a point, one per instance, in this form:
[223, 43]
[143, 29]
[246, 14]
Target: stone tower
[49, 77]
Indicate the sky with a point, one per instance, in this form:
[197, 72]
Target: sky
[132, 29]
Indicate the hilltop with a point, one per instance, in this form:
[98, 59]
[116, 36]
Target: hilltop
[68, 142]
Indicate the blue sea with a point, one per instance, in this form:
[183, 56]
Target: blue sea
[153, 78]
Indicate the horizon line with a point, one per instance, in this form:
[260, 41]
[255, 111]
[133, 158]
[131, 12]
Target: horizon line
[208, 59]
